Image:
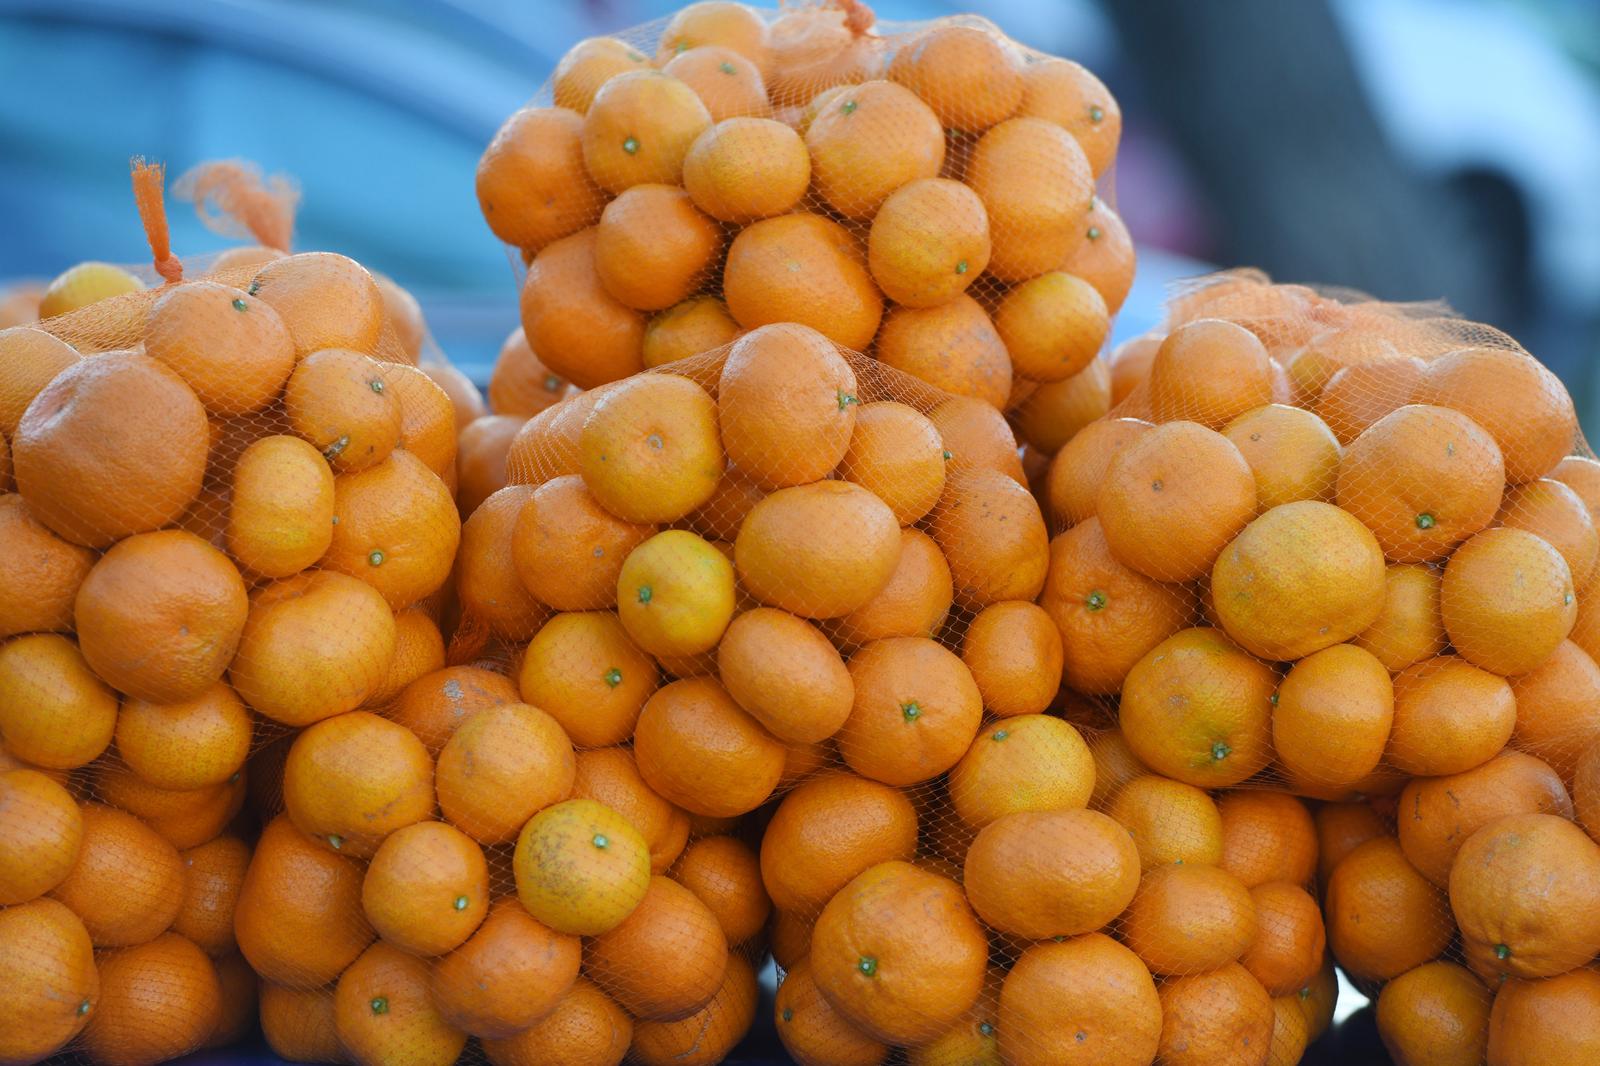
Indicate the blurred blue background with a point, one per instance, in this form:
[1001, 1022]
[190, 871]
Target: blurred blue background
[1411, 148]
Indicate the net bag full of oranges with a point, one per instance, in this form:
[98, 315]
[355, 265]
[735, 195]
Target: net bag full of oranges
[225, 514]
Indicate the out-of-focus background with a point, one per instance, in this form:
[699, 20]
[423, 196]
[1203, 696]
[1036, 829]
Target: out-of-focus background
[1411, 148]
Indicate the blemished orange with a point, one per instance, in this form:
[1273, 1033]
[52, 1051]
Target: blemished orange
[345, 404]
[298, 919]
[1220, 1018]
[610, 776]
[586, 1028]
[1083, 1000]
[51, 986]
[675, 594]
[1052, 325]
[802, 268]
[1554, 708]
[666, 959]
[325, 299]
[649, 450]
[92, 473]
[1189, 919]
[915, 713]
[1423, 479]
[567, 549]
[1056, 412]
[727, 83]
[229, 347]
[353, 779]
[1080, 467]
[213, 876]
[1358, 395]
[993, 535]
[511, 973]
[572, 324]
[1173, 498]
[427, 420]
[693, 327]
[520, 384]
[298, 1023]
[638, 128]
[433, 705]
[1409, 628]
[1291, 451]
[581, 868]
[1169, 821]
[897, 454]
[697, 748]
[501, 766]
[1383, 917]
[1521, 404]
[1032, 762]
[396, 528]
[1554, 512]
[43, 572]
[383, 1011]
[1039, 874]
[280, 511]
[1534, 1022]
[1440, 813]
[898, 953]
[54, 712]
[188, 743]
[587, 66]
[1287, 951]
[40, 835]
[426, 889]
[481, 454]
[1267, 836]
[1520, 889]
[653, 248]
[953, 346]
[1071, 96]
[159, 616]
[1507, 600]
[1014, 651]
[725, 874]
[1036, 185]
[711, 1033]
[977, 437]
[585, 672]
[158, 1000]
[869, 141]
[782, 562]
[489, 589]
[1341, 828]
[812, 1032]
[1437, 1014]
[33, 358]
[914, 601]
[1332, 719]
[786, 403]
[786, 674]
[1449, 716]
[747, 168]
[968, 74]
[928, 242]
[1198, 709]
[830, 828]
[127, 884]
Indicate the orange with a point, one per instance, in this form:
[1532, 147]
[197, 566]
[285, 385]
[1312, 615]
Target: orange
[1221, 1018]
[967, 74]
[573, 326]
[1079, 469]
[914, 601]
[1287, 951]
[1521, 890]
[427, 421]
[783, 561]
[915, 713]
[188, 743]
[675, 594]
[214, 874]
[418, 650]
[1209, 371]
[1423, 479]
[298, 1023]
[83, 284]
[725, 874]
[118, 909]
[802, 268]
[50, 986]
[1087, 999]
[1522, 405]
[666, 960]
[977, 437]
[1267, 836]
[869, 141]
[929, 241]
[1558, 515]
[611, 776]
[1341, 828]
[829, 829]
[404, 315]
[481, 455]
[974, 1038]
[1014, 651]
[157, 1001]
[1318, 999]
[710, 1034]
[748, 168]
[1069, 95]
[1169, 821]
[1028, 763]
[896, 453]
[433, 705]
[1534, 1022]
[531, 183]
[638, 129]
[1555, 701]
[237, 987]
[1331, 723]
[693, 327]
[898, 953]
[1039, 874]
[1581, 475]
[1356, 396]
[326, 300]
[1291, 451]
[500, 766]
[43, 572]
[1408, 629]
[727, 83]
[346, 404]
[697, 748]
[1057, 411]
[1173, 498]
[587, 66]
[649, 450]
[1507, 600]
[184, 819]
[786, 674]
[585, 672]
[353, 779]
[952, 346]
[812, 1032]
[1436, 1013]
[92, 471]
[1105, 257]
[567, 549]
[787, 401]
[581, 868]
[1053, 325]
[1189, 919]
[54, 712]
[488, 587]
[789, 936]
[230, 348]
[652, 248]
[383, 1012]
[585, 1029]
[511, 973]
[520, 384]
[396, 528]
[718, 23]
[816, 49]
[1383, 917]
[41, 831]
[33, 358]
[426, 889]
[280, 512]
[1130, 366]
[298, 918]
[1198, 709]
[993, 535]
[160, 614]
[1035, 183]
